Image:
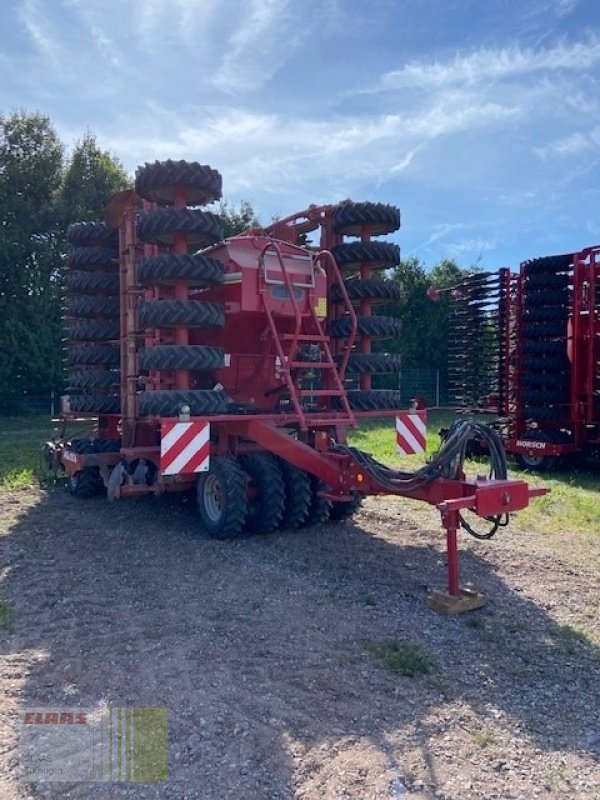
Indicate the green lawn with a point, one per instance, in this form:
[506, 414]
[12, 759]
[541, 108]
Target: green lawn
[572, 505]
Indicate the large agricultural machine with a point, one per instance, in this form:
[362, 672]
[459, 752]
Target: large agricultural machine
[223, 367]
[526, 348]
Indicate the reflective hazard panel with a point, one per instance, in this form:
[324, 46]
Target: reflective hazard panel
[184, 447]
[411, 432]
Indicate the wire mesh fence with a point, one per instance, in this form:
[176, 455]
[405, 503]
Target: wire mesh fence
[421, 382]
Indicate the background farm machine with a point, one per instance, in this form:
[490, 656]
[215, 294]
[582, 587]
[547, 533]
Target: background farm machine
[225, 370]
[526, 348]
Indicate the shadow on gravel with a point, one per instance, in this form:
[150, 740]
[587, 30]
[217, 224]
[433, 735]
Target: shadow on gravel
[259, 647]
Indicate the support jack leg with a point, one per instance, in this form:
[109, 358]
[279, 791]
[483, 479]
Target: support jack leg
[457, 599]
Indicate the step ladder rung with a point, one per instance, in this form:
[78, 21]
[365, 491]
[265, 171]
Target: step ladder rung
[312, 364]
[319, 393]
[304, 337]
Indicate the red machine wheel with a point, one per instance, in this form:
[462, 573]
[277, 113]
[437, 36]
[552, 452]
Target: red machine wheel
[376, 327]
[375, 289]
[267, 493]
[94, 379]
[93, 330]
[89, 282]
[87, 234]
[222, 501]
[378, 255]
[297, 495]
[158, 181]
[171, 313]
[90, 258]
[167, 357]
[94, 356]
[377, 399]
[96, 404]
[92, 306]
[167, 403]
[373, 363]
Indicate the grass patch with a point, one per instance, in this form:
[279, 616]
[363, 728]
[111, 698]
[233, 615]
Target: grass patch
[572, 504]
[570, 634]
[483, 738]
[6, 614]
[21, 442]
[403, 658]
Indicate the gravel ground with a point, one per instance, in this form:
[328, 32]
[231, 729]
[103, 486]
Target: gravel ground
[262, 650]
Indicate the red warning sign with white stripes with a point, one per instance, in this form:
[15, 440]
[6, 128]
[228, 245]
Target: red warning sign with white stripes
[184, 447]
[411, 432]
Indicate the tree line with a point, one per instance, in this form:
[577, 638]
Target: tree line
[43, 189]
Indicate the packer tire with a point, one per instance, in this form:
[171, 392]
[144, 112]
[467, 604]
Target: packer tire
[320, 507]
[165, 403]
[543, 330]
[551, 264]
[198, 358]
[85, 483]
[92, 306]
[96, 404]
[297, 489]
[94, 379]
[378, 255]
[265, 511]
[375, 400]
[86, 234]
[376, 327]
[88, 282]
[157, 182]
[550, 281]
[170, 313]
[198, 271]
[93, 330]
[160, 226]
[373, 363]
[94, 356]
[92, 258]
[374, 289]
[351, 218]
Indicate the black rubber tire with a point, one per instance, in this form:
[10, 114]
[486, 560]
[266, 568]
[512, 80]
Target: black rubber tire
[96, 404]
[164, 403]
[222, 500]
[91, 258]
[161, 225]
[320, 507]
[93, 330]
[86, 483]
[191, 313]
[545, 414]
[378, 255]
[551, 280]
[350, 218]
[157, 181]
[94, 379]
[375, 327]
[197, 270]
[551, 297]
[297, 495]
[545, 377]
[94, 356]
[345, 509]
[80, 445]
[553, 364]
[87, 234]
[92, 306]
[265, 511]
[550, 395]
[542, 330]
[553, 264]
[373, 363]
[374, 289]
[88, 282]
[107, 445]
[199, 358]
[545, 348]
[375, 400]
[543, 313]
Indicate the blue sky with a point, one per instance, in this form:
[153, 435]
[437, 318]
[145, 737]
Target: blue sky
[480, 119]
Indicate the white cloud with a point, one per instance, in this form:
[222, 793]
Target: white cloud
[487, 65]
[573, 145]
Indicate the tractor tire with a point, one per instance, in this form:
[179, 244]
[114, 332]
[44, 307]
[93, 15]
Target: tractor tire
[191, 313]
[88, 282]
[375, 400]
[543, 330]
[351, 218]
[373, 363]
[92, 306]
[345, 509]
[91, 234]
[93, 330]
[158, 181]
[91, 258]
[320, 507]
[378, 255]
[94, 379]
[80, 446]
[551, 280]
[96, 404]
[106, 445]
[166, 358]
[165, 269]
[85, 483]
[297, 495]
[164, 403]
[161, 225]
[374, 289]
[94, 356]
[375, 327]
[552, 264]
[222, 499]
[265, 511]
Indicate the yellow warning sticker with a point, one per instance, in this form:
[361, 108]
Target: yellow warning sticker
[321, 307]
